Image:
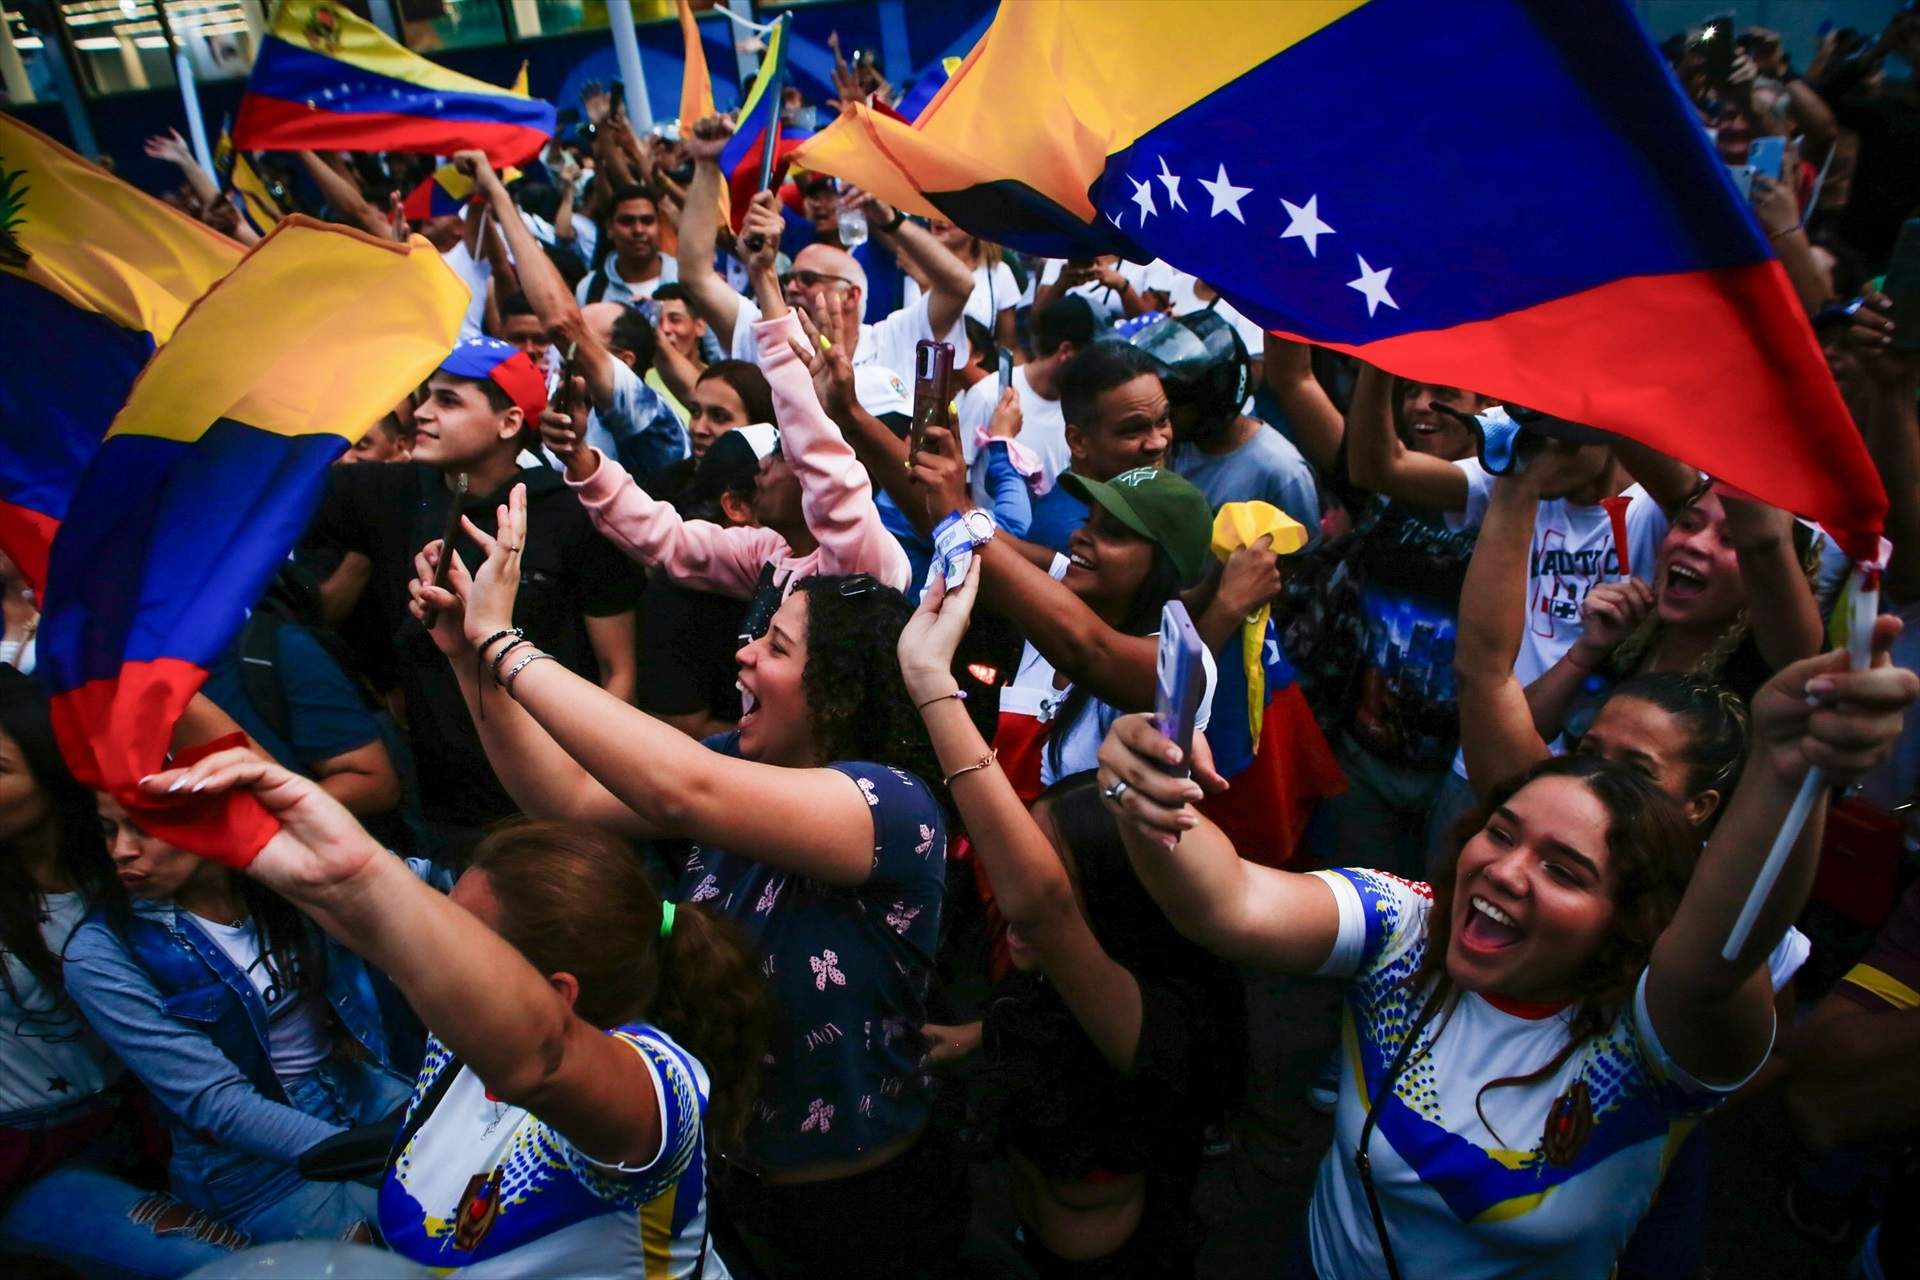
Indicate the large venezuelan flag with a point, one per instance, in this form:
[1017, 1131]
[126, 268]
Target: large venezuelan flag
[1506, 195]
[326, 78]
[208, 476]
[93, 275]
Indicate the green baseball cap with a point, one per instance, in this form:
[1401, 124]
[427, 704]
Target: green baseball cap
[1161, 507]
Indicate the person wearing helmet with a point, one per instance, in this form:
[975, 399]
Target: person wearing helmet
[1229, 456]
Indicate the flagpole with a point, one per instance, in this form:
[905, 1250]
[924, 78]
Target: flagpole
[626, 48]
[190, 95]
[772, 93]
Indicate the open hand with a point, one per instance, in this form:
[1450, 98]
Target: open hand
[490, 599]
[169, 146]
[932, 635]
[827, 357]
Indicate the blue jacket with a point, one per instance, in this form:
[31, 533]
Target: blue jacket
[190, 1025]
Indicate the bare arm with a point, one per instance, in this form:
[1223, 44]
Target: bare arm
[344, 198]
[711, 295]
[1855, 1074]
[612, 641]
[1892, 429]
[947, 280]
[344, 586]
[363, 780]
[1668, 481]
[1378, 461]
[1317, 425]
[1781, 609]
[1497, 734]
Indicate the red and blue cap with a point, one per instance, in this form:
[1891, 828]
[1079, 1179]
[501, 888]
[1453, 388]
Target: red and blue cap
[506, 366]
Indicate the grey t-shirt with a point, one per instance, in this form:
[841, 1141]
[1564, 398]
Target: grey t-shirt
[1266, 468]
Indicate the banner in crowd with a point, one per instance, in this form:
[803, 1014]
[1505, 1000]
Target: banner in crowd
[1506, 195]
[326, 78]
[93, 275]
[206, 479]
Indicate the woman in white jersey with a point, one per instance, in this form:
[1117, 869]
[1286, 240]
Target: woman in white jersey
[1527, 1036]
[558, 1124]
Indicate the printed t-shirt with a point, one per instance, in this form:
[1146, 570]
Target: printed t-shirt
[297, 1039]
[51, 1058]
[847, 969]
[1570, 1162]
[491, 1190]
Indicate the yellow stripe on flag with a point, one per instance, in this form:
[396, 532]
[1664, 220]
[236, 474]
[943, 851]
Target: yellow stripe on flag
[331, 29]
[319, 330]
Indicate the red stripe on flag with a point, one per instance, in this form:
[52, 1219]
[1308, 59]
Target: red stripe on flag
[271, 124]
[27, 536]
[131, 717]
[1723, 362]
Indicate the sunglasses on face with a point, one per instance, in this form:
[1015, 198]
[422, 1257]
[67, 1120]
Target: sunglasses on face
[812, 279]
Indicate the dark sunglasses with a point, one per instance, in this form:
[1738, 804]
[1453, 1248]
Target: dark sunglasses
[812, 279]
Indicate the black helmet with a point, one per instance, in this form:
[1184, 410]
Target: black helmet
[1203, 365]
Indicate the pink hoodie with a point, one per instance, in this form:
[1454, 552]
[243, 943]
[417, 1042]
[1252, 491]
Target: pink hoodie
[835, 497]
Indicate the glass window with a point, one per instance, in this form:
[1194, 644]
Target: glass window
[220, 36]
[119, 44]
[432, 25]
[558, 17]
[26, 70]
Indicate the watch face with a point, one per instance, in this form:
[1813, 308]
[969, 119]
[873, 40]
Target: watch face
[980, 525]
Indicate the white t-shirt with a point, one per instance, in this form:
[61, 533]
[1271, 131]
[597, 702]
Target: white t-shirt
[475, 274]
[1105, 302]
[889, 344]
[994, 290]
[533, 1203]
[50, 1058]
[296, 1030]
[1572, 552]
[1462, 1199]
[1043, 428]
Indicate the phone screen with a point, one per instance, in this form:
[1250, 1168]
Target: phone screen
[1902, 287]
[1005, 358]
[1180, 681]
[1716, 46]
[1767, 156]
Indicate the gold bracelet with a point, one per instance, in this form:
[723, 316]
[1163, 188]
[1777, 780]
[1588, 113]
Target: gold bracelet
[981, 763]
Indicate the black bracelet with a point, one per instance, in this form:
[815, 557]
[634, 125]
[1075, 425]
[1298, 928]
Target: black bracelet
[499, 659]
[892, 224]
[504, 631]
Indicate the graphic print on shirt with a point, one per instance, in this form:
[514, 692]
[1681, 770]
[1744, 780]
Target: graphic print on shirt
[1560, 579]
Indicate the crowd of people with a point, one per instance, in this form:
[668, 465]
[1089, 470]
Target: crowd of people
[685, 870]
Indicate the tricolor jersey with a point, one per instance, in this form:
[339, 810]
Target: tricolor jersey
[486, 1189]
[1544, 1178]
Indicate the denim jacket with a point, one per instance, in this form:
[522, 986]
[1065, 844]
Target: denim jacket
[190, 1025]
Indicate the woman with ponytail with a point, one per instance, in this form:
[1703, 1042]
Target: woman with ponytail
[558, 1125]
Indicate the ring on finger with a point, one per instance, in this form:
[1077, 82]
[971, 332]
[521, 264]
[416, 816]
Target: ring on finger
[1117, 790]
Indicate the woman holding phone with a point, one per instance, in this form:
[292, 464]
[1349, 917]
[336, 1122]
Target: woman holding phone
[1529, 1032]
[1116, 1042]
[815, 830]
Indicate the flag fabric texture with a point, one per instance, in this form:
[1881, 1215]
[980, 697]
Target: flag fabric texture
[441, 192]
[1304, 157]
[205, 480]
[325, 77]
[240, 179]
[696, 83]
[925, 86]
[740, 161]
[93, 275]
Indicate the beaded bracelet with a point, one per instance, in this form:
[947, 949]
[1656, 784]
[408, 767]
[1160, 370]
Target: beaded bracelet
[500, 658]
[486, 644]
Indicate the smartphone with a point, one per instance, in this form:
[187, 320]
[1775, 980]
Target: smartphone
[1742, 175]
[932, 391]
[1767, 156]
[1180, 681]
[1005, 358]
[617, 100]
[455, 509]
[1717, 48]
[1902, 287]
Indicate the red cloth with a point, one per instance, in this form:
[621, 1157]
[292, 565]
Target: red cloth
[1266, 809]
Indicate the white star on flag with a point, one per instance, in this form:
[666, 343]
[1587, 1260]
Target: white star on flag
[1226, 196]
[1373, 286]
[1173, 186]
[1306, 223]
[1143, 196]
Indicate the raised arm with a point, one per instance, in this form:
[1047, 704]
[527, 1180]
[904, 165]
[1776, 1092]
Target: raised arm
[171, 147]
[1318, 427]
[1784, 616]
[1497, 735]
[1609, 614]
[1234, 908]
[711, 295]
[1892, 429]
[1667, 480]
[344, 198]
[1714, 1016]
[948, 281]
[517, 1030]
[1378, 461]
[1030, 884]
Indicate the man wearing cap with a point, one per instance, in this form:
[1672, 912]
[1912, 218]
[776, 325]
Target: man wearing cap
[577, 593]
[819, 270]
[613, 345]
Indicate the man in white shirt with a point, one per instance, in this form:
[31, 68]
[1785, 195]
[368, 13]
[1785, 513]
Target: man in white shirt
[1058, 332]
[636, 266]
[818, 270]
[1115, 289]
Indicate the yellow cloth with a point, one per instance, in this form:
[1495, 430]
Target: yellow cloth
[1241, 524]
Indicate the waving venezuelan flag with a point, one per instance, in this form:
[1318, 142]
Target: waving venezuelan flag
[206, 479]
[326, 78]
[93, 275]
[1506, 195]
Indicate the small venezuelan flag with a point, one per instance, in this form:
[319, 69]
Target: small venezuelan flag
[327, 78]
[1305, 157]
[208, 476]
[241, 179]
[93, 275]
[761, 112]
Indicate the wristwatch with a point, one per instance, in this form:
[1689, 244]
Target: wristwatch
[980, 526]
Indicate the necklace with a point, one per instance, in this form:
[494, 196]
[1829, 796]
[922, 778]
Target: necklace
[500, 1110]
